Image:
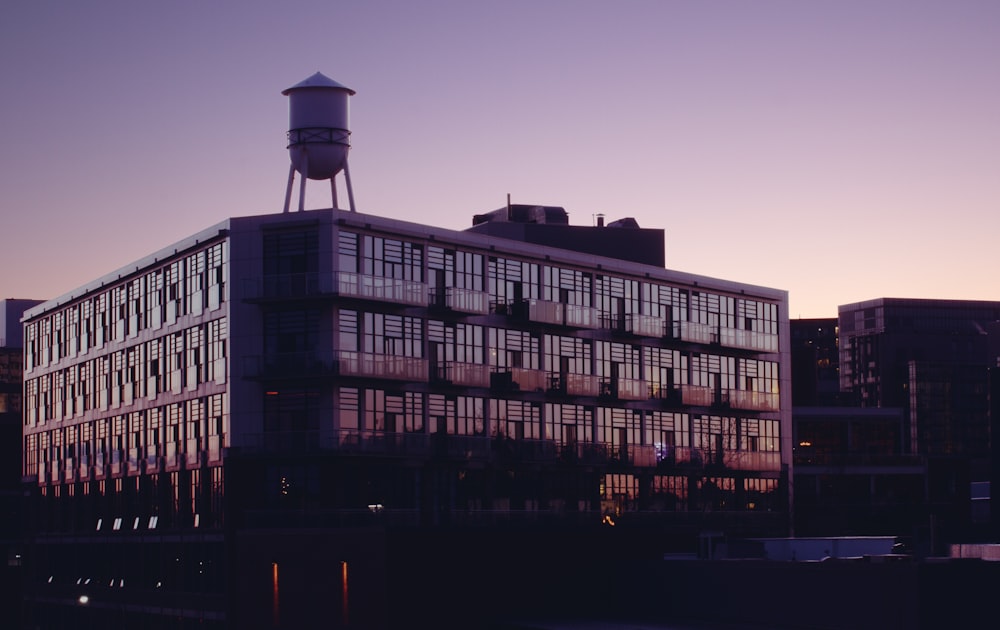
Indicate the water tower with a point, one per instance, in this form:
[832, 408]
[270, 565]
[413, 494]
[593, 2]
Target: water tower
[319, 136]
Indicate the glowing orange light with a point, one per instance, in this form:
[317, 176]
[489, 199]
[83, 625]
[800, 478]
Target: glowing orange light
[274, 595]
[343, 589]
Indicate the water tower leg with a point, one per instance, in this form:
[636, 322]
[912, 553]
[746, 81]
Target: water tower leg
[302, 184]
[288, 189]
[350, 189]
[333, 192]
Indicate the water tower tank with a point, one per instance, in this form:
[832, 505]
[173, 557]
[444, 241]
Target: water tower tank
[319, 135]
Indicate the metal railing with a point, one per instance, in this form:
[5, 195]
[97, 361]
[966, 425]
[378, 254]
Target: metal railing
[383, 289]
[462, 300]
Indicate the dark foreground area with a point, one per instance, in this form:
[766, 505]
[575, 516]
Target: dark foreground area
[552, 579]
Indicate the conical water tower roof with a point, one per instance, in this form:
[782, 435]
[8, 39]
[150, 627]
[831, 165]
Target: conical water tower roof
[319, 80]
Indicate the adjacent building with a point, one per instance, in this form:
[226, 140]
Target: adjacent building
[11, 503]
[254, 425]
[903, 443]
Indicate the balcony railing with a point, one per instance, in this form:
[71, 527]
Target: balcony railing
[737, 398]
[759, 401]
[582, 316]
[216, 444]
[645, 325]
[382, 366]
[696, 333]
[545, 312]
[668, 394]
[574, 384]
[512, 378]
[192, 453]
[748, 339]
[382, 289]
[527, 379]
[463, 300]
[468, 374]
[697, 395]
[687, 457]
[624, 388]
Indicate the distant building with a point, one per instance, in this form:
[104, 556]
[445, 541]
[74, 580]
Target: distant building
[930, 358]
[815, 363]
[853, 474]
[290, 416]
[11, 504]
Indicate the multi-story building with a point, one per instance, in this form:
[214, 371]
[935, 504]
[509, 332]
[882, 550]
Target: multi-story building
[225, 430]
[11, 502]
[930, 358]
[853, 472]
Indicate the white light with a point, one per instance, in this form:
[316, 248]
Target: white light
[83, 599]
[99, 522]
[118, 524]
[135, 523]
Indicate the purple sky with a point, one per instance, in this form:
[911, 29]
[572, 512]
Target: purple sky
[840, 150]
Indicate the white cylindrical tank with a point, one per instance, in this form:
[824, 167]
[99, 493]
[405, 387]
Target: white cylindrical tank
[319, 135]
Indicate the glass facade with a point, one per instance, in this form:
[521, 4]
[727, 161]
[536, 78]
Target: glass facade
[451, 346]
[369, 367]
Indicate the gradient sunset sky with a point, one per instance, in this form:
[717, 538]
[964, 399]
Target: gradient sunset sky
[840, 150]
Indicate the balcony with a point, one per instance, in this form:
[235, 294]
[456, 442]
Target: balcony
[728, 337]
[382, 366]
[216, 444]
[748, 340]
[758, 401]
[696, 333]
[394, 290]
[192, 453]
[545, 312]
[624, 388]
[697, 395]
[574, 384]
[461, 300]
[118, 465]
[522, 379]
[467, 374]
[171, 458]
[693, 457]
[667, 394]
[645, 325]
[528, 379]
